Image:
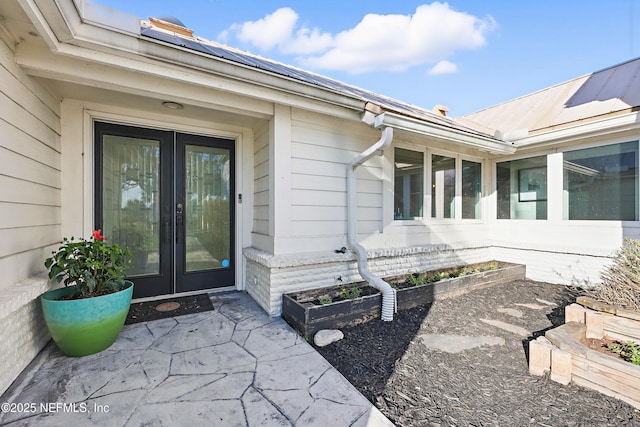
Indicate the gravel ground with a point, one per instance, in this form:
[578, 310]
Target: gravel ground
[415, 385]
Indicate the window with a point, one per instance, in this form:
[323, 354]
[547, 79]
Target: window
[471, 189]
[522, 188]
[443, 186]
[408, 184]
[601, 183]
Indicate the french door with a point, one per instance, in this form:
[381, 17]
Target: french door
[169, 198]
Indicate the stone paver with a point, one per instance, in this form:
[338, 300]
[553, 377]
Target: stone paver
[507, 327]
[457, 343]
[233, 366]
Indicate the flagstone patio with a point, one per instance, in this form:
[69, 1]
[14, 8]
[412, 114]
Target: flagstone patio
[233, 366]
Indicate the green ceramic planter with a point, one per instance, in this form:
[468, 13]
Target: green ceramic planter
[85, 326]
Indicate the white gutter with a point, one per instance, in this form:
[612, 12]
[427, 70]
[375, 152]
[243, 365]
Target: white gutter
[388, 293]
[449, 135]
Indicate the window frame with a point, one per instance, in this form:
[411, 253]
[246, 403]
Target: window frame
[428, 152]
[494, 203]
[424, 152]
[563, 202]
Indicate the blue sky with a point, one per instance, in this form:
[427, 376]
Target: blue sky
[464, 54]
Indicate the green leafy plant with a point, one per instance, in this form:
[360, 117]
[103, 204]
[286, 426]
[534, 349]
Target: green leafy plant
[350, 293]
[443, 275]
[417, 279]
[432, 278]
[629, 351]
[324, 300]
[94, 266]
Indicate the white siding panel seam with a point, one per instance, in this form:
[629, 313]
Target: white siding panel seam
[16, 113]
[30, 159]
[32, 182]
[8, 64]
[553, 251]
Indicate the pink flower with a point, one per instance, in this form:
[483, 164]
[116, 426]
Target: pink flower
[98, 236]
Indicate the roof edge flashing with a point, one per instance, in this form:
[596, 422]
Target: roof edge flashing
[605, 127]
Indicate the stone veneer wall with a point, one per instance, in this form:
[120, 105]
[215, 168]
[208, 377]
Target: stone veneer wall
[269, 276]
[23, 332]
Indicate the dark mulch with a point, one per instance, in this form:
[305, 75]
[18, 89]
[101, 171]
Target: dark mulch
[146, 311]
[485, 386]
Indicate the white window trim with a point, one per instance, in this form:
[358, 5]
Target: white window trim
[427, 199]
[555, 206]
[389, 207]
[459, 157]
[560, 215]
[483, 188]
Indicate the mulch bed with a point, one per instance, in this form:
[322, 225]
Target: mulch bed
[490, 385]
[153, 310]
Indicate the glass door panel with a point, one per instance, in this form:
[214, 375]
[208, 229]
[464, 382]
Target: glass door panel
[169, 198]
[130, 200]
[133, 201]
[206, 208]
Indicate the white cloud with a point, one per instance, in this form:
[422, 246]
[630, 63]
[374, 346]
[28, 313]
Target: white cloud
[270, 31]
[443, 67]
[277, 31]
[377, 43]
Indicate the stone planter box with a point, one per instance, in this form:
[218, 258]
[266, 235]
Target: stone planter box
[307, 318]
[562, 353]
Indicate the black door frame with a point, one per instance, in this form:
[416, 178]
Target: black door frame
[225, 276]
[165, 282]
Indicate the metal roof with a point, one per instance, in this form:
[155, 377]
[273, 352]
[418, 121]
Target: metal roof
[267, 65]
[613, 90]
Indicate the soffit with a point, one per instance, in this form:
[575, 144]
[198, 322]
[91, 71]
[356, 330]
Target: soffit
[15, 25]
[103, 96]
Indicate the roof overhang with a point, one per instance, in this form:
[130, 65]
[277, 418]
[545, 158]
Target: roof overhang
[443, 133]
[97, 46]
[606, 128]
[84, 31]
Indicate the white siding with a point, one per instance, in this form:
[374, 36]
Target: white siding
[29, 173]
[30, 210]
[321, 149]
[261, 184]
[568, 252]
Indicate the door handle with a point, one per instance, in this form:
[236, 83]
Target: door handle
[179, 222]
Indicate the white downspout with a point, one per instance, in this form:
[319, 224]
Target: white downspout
[388, 293]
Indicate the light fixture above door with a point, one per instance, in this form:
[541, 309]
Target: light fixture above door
[172, 105]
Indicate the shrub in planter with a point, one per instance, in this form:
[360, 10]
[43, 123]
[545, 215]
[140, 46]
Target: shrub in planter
[621, 280]
[351, 304]
[86, 316]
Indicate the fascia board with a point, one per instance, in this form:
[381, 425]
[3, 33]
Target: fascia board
[603, 128]
[452, 136]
